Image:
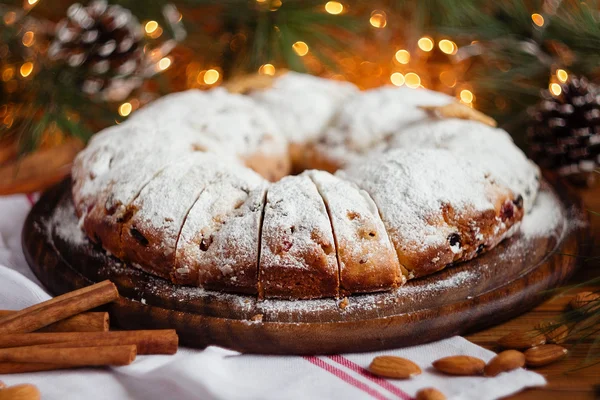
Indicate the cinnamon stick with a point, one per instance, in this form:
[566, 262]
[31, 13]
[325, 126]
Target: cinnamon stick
[75, 356]
[163, 341]
[21, 368]
[85, 322]
[20, 392]
[43, 314]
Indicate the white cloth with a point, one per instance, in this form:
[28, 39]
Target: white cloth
[216, 373]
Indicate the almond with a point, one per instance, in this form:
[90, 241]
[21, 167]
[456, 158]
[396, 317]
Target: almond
[460, 365]
[583, 299]
[458, 110]
[430, 394]
[544, 354]
[344, 303]
[505, 361]
[20, 392]
[394, 367]
[522, 340]
[554, 332]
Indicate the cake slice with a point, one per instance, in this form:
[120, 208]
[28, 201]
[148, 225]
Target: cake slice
[152, 222]
[92, 165]
[367, 259]
[218, 247]
[126, 171]
[298, 256]
[437, 208]
[488, 147]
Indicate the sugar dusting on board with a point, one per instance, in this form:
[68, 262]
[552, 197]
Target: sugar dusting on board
[544, 217]
[66, 225]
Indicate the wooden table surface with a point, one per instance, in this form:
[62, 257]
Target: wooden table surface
[562, 382]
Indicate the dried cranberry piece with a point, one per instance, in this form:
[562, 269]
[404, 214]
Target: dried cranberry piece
[507, 211]
[286, 245]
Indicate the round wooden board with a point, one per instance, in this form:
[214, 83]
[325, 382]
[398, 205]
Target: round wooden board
[498, 285]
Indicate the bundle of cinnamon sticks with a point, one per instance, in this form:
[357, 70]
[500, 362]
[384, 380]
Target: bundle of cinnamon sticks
[60, 334]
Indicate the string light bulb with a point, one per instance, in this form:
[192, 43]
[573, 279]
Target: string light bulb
[10, 17]
[466, 96]
[334, 7]
[402, 56]
[125, 109]
[537, 19]
[29, 4]
[425, 44]
[448, 78]
[378, 19]
[555, 89]
[300, 48]
[274, 5]
[412, 80]
[267, 69]
[8, 74]
[164, 63]
[397, 79]
[26, 69]
[28, 39]
[150, 27]
[562, 75]
[447, 46]
[211, 76]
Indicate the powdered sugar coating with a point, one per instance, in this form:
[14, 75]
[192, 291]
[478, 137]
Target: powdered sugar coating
[367, 259]
[544, 217]
[491, 148]
[92, 164]
[150, 235]
[226, 123]
[364, 123]
[219, 242]
[298, 255]
[310, 103]
[65, 224]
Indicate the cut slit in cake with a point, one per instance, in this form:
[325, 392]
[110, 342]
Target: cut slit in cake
[181, 190]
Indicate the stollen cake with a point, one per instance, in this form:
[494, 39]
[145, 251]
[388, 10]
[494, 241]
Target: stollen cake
[196, 188]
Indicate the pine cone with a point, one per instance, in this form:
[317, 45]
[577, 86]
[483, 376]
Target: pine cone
[564, 132]
[105, 43]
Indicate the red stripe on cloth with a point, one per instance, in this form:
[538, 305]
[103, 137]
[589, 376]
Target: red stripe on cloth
[30, 198]
[380, 381]
[344, 376]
